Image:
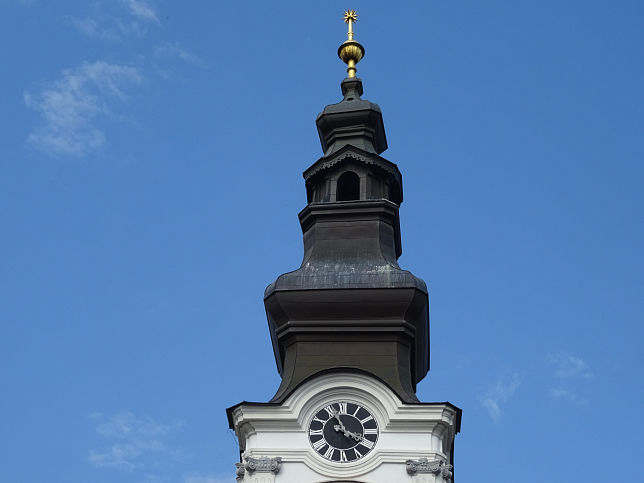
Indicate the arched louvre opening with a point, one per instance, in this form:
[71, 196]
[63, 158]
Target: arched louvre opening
[348, 187]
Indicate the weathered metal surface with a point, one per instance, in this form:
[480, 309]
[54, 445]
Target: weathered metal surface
[350, 305]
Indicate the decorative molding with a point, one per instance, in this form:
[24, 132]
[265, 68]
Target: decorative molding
[436, 467]
[263, 464]
[335, 158]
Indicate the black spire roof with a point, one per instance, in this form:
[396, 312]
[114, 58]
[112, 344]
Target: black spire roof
[352, 121]
[349, 305]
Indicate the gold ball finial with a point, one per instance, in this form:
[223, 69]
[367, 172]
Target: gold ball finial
[350, 51]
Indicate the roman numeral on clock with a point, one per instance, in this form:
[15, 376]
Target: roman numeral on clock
[317, 446]
[367, 443]
[316, 432]
[368, 418]
[329, 453]
[343, 456]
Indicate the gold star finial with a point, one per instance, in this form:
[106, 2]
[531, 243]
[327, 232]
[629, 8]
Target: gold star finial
[350, 16]
[351, 51]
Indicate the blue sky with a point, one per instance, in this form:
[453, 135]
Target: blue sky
[151, 179]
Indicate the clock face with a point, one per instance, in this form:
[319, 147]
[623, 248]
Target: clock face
[343, 431]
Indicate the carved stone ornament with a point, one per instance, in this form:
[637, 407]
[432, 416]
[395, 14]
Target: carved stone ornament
[241, 471]
[263, 464]
[435, 467]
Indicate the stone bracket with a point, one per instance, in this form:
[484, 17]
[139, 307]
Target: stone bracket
[259, 465]
[436, 467]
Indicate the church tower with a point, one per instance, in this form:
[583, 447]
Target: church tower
[349, 328]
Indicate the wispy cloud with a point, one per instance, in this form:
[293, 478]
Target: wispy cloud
[143, 9]
[151, 478]
[175, 51]
[129, 439]
[568, 395]
[570, 372]
[93, 28]
[115, 21]
[146, 449]
[70, 106]
[199, 478]
[569, 366]
[499, 394]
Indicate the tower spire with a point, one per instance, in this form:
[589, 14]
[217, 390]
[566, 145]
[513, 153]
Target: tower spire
[349, 327]
[350, 51]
